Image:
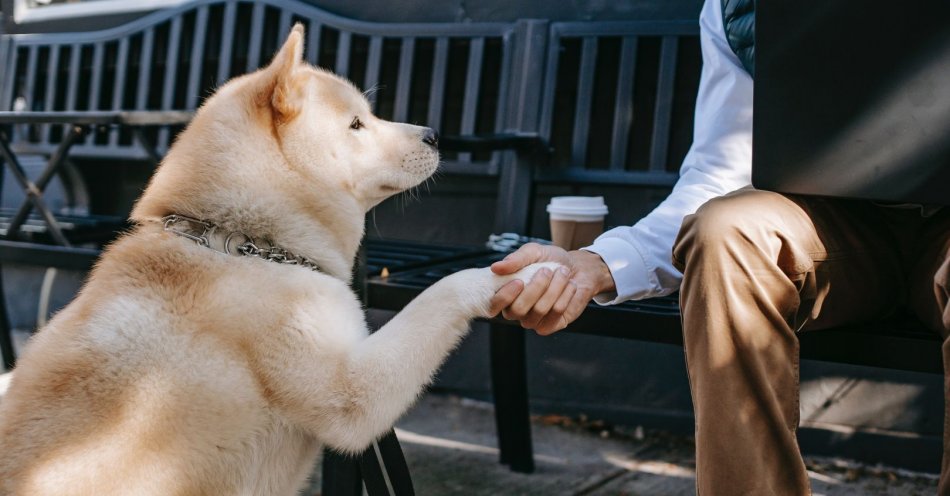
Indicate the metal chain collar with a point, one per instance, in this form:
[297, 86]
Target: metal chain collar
[235, 243]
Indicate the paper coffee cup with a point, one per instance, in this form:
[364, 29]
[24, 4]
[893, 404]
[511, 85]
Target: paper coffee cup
[576, 221]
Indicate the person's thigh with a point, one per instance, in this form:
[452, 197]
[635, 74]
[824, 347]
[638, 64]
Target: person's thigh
[929, 273]
[857, 269]
[840, 255]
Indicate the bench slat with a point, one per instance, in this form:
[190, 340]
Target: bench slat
[623, 112]
[257, 33]
[145, 70]
[121, 67]
[501, 105]
[343, 53]
[585, 95]
[197, 58]
[476, 52]
[95, 85]
[8, 57]
[550, 85]
[437, 88]
[373, 59]
[50, 94]
[659, 146]
[284, 24]
[227, 42]
[314, 31]
[404, 80]
[168, 89]
[27, 89]
[72, 84]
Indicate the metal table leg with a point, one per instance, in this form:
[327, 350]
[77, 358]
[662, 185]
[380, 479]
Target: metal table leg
[56, 161]
[33, 194]
[381, 468]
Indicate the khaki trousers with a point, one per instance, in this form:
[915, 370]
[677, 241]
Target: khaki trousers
[759, 268]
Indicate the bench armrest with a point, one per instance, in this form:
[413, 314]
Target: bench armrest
[527, 142]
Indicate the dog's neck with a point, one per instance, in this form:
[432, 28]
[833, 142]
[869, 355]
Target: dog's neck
[329, 241]
[218, 184]
[236, 243]
[319, 242]
[303, 249]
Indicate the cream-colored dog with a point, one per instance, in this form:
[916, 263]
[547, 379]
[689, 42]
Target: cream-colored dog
[183, 369]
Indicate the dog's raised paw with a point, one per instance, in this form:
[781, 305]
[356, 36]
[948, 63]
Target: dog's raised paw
[527, 273]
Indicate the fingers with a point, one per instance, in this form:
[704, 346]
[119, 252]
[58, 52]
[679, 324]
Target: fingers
[555, 320]
[505, 296]
[526, 255]
[547, 300]
[519, 309]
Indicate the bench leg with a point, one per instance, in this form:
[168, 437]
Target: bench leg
[6, 332]
[510, 389]
[340, 475]
[384, 468]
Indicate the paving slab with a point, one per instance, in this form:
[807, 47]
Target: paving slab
[450, 447]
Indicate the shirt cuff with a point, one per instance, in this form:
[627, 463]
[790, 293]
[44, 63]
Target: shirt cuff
[631, 276]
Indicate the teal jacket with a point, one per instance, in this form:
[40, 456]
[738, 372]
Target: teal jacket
[738, 19]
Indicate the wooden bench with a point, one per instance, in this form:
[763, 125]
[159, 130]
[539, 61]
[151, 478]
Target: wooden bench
[530, 102]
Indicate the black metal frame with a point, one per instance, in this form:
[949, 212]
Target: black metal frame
[381, 469]
[63, 255]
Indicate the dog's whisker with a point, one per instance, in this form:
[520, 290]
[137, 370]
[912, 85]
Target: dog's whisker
[372, 90]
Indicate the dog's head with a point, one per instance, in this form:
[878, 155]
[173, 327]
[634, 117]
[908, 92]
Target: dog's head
[290, 133]
[327, 126]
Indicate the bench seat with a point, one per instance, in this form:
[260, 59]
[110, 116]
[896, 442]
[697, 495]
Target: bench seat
[897, 342]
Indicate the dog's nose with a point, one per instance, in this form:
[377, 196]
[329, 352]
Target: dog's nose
[431, 138]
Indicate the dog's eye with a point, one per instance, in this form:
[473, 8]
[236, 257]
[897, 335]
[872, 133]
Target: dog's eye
[357, 124]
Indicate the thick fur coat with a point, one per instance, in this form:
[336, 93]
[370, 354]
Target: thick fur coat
[179, 370]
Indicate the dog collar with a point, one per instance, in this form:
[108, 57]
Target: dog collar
[207, 234]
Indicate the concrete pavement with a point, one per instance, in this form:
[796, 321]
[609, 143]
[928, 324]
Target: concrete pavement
[449, 444]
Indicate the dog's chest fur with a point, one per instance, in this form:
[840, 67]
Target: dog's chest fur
[163, 346]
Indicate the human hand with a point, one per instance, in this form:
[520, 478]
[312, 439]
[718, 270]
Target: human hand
[552, 299]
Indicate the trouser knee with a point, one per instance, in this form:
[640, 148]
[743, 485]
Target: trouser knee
[720, 225]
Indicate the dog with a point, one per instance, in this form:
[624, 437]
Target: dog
[217, 347]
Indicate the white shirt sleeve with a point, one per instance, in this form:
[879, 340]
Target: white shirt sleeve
[719, 161]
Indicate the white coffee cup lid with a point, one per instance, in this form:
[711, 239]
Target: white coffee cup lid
[578, 205]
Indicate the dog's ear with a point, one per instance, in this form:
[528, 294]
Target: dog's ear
[281, 92]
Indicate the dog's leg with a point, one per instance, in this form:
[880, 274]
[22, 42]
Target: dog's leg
[385, 373]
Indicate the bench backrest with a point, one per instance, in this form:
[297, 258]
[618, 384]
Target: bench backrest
[614, 99]
[451, 76]
[616, 106]
[612, 91]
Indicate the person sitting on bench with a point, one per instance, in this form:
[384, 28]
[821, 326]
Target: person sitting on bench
[753, 268]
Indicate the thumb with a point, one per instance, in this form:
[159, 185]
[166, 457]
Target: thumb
[505, 297]
[525, 256]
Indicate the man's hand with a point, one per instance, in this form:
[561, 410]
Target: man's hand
[550, 301]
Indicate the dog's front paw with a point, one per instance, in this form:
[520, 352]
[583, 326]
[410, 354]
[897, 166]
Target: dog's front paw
[526, 273]
[474, 288]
